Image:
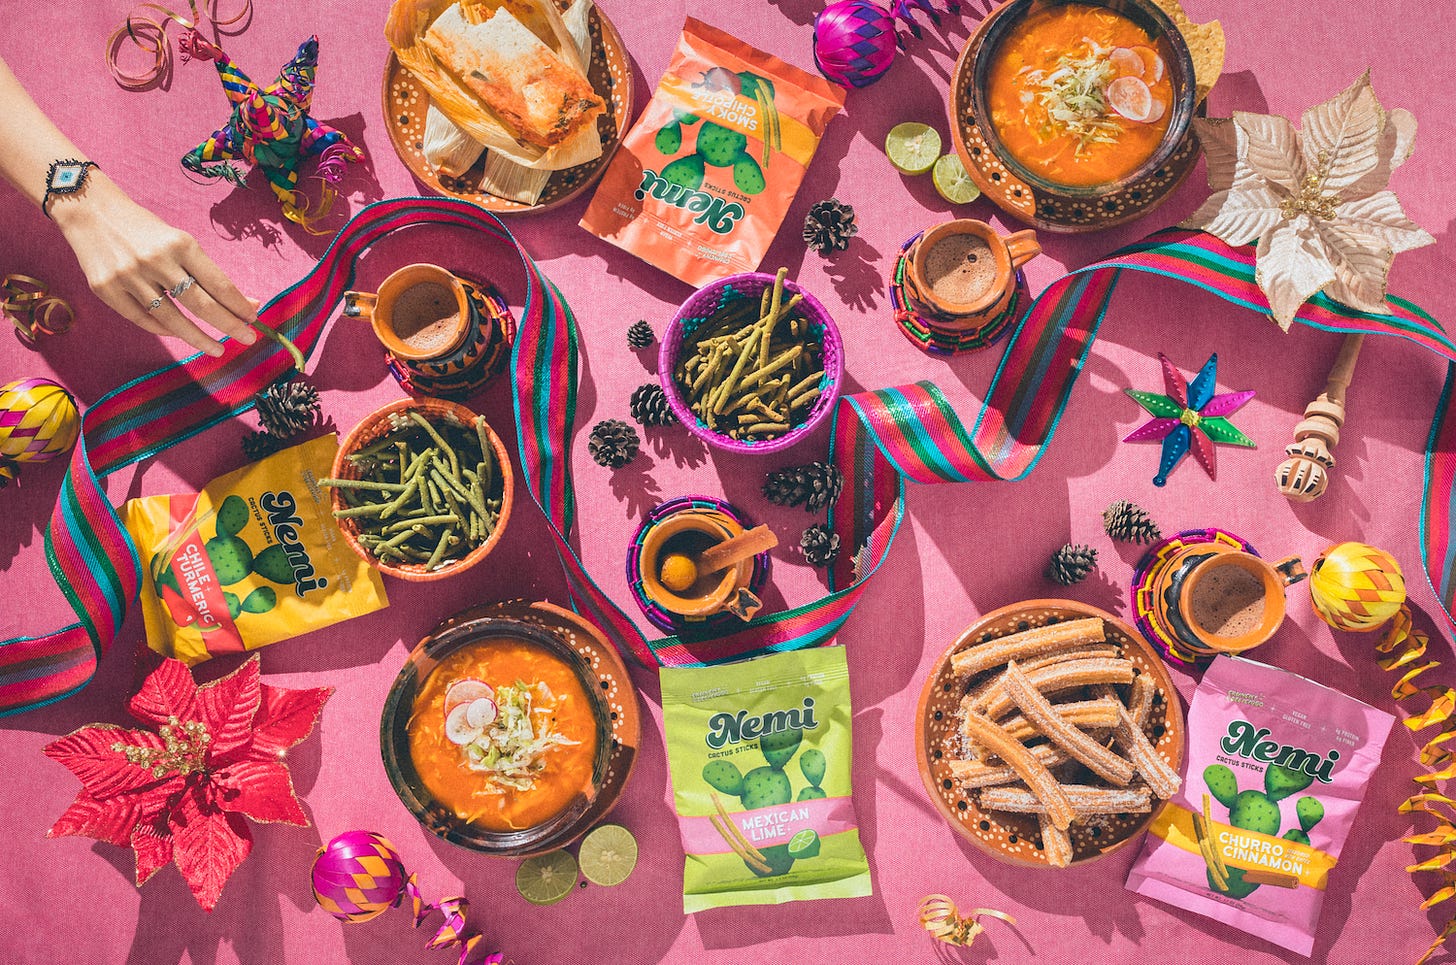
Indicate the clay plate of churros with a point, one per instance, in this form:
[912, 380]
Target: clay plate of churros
[1050, 734]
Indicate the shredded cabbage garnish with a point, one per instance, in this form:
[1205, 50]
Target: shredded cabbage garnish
[1071, 95]
[511, 751]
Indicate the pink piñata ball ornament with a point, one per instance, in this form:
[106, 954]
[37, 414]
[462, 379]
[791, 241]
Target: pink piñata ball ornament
[854, 42]
[357, 876]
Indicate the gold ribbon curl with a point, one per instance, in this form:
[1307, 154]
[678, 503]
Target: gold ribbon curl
[31, 306]
[146, 27]
[940, 917]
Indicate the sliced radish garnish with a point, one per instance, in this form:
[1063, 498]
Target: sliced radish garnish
[480, 713]
[1152, 70]
[1159, 109]
[465, 691]
[1126, 62]
[458, 728]
[1131, 98]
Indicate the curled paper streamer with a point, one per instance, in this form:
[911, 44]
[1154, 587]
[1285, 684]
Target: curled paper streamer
[1404, 648]
[34, 310]
[940, 917]
[146, 27]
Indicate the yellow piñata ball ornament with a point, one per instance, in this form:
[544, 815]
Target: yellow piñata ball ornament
[38, 421]
[1355, 586]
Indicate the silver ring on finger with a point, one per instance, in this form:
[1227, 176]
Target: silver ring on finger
[186, 283]
[156, 303]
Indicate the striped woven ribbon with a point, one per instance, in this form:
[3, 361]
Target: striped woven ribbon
[880, 438]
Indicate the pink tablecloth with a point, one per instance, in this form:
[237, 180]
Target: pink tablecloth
[964, 551]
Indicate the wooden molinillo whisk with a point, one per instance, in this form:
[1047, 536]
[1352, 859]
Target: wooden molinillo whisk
[1305, 474]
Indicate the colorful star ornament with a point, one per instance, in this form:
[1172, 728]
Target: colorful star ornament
[1189, 418]
[270, 127]
[182, 792]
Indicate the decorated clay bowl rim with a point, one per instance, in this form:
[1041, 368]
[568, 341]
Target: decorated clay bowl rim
[446, 639]
[699, 307]
[377, 424]
[1002, 21]
[941, 680]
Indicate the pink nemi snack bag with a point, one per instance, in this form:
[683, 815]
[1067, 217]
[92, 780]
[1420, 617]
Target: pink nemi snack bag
[1277, 766]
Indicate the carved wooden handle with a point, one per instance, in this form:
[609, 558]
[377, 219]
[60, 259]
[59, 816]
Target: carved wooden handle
[1305, 474]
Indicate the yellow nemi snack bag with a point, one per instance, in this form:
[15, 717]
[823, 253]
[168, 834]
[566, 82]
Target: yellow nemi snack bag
[252, 559]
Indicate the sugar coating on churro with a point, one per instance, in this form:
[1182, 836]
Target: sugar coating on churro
[1056, 844]
[1140, 698]
[1107, 765]
[1038, 779]
[973, 774]
[1086, 800]
[1149, 763]
[1087, 714]
[1062, 676]
[989, 687]
[1036, 642]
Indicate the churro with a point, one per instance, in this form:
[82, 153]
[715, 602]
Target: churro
[982, 773]
[1055, 843]
[1149, 763]
[1211, 860]
[1086, 714]
[1140, 699]
[1276, 878]
[988, 687]
[1038, 779]
[1086, 800]
[1028, 644]
[1106, 764]
[995, 703]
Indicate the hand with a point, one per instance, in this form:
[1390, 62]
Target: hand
[130, 256]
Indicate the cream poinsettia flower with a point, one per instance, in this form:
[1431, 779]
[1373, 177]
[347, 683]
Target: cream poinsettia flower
[1316, 201]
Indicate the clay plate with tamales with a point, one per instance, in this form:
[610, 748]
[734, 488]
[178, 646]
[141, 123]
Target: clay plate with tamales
[1101, 681]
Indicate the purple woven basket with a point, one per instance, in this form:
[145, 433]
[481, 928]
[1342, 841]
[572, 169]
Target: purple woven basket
[703, 305]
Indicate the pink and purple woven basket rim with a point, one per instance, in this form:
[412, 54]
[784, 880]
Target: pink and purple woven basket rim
[698, 308]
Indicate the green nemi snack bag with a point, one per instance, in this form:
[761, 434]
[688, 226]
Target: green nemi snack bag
[759, 753]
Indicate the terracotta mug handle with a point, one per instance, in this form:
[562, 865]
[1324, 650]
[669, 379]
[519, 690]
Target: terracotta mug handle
[1022, 247]
[360, 305]
[1291, 570]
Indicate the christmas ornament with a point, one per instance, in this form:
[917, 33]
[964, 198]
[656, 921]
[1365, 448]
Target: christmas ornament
[182, 792]
[1189, 417]
[855, 40]
[820, 545]
[640, 335]
[613, 443]
[650, 406]
[359, 875]
[38, 421]
[1129, 523]
[1315, 201]
[1356, 587]
[1071, 564]
[829, 226]
[814, 486]
[270, 127]
[287, 408]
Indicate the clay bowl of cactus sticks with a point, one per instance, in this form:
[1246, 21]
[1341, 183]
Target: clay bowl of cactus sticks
[422, 489]
[751, 363]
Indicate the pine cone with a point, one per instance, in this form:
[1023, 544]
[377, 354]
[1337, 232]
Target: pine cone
[640, 335]
[820, 545]
[287, 408]
[650, 406]
[1129, 523]
[814, 486]
[829, 226]
[1071, 564]
[260, 445]
[613, 443]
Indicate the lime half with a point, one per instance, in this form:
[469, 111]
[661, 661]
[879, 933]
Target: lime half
[608, 855]
[913, 147]
[952, 181]
[805, 844]
[546, 878]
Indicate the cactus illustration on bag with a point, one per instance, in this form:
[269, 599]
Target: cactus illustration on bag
[716, 145]
[1258, 811]
[769, 786]
[232, 562]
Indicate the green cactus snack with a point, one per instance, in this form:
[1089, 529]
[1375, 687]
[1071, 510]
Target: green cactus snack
[1245, 847]
[252, 559]
[759, 754]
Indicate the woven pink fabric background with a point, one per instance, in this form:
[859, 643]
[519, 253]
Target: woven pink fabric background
[964, 550]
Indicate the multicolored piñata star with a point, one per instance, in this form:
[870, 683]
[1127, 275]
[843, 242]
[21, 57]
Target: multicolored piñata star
[1189, 417]
[270, 128]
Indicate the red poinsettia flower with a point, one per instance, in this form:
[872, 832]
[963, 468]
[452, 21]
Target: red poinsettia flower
[181, 794]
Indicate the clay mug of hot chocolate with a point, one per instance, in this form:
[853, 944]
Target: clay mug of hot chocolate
[421, 313]
[963, 273]
[1233, 601]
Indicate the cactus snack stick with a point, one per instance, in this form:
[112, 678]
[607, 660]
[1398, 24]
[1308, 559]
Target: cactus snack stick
[254, 558]
[1277, 766]
[704, 178]
[759, 753]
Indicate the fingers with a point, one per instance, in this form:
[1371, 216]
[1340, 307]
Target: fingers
[201, 303]
[173, 323]
[220, 304]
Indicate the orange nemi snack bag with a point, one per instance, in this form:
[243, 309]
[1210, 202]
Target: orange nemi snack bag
[706, 175]
[254, 558]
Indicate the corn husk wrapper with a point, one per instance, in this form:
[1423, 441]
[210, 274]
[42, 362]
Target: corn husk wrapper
[447, 148]
[405, 30]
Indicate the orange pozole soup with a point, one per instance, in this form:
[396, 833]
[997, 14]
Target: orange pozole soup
[503, 734]
[1080, 95]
